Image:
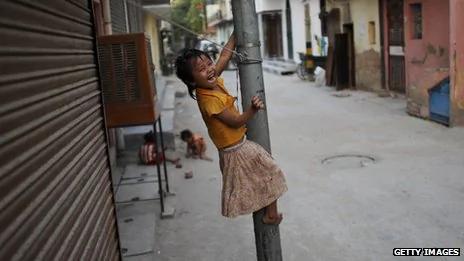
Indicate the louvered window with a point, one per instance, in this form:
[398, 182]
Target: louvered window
[118, 16]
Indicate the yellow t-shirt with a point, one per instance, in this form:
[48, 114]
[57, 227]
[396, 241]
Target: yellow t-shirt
[213, 102]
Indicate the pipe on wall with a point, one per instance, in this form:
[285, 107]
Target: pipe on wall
[107, 17]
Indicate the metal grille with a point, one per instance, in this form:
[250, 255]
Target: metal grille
[397, 73]
[395, 22]
[56, 201]
[120, 83]
[118, 16]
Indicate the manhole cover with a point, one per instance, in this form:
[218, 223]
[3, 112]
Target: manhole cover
[345, 161]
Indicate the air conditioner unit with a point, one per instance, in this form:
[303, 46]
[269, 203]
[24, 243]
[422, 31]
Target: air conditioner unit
[127, 76]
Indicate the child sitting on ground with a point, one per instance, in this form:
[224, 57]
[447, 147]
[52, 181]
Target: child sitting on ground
[149, 156]
[196, 146]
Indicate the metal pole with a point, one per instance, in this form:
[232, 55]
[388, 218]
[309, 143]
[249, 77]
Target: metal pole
[158, 171]
[164, 156]
[267, 237]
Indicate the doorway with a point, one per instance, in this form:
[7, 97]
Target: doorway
[396, 66]
[272, 28]
[349, 30]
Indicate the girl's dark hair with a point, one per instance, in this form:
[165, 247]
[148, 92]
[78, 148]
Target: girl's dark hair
[185, 134]
[149, 137]
[184, 67]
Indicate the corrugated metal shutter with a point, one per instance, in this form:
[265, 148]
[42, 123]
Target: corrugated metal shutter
[118, 16]
[56, 200]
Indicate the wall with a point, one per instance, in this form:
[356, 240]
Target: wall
[298, 28]
[226, 9]
[314, 10]
[226, 26]
[224, 31]
[367, 54]
[261, 33]
[212, 12]
[151, 29]
[284, 28]
[268, 5]
[457, 62]
[344, 6]
[426, 59]
[363, 12]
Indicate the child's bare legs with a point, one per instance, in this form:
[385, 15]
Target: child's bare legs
[271, 215]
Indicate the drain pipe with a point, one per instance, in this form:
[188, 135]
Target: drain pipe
[107, 17]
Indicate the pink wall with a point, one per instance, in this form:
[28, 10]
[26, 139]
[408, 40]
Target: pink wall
[457, 61]
[427, 59]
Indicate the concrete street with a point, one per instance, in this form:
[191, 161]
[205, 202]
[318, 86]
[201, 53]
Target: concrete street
[352, 209]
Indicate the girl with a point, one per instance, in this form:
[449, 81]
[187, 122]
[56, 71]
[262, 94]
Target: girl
[251, 178]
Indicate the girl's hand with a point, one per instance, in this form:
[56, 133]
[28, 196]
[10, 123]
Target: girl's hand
[256, 103]
[235, 120]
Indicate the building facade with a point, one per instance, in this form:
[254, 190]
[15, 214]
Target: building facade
[359, 21]
[457, 63]
[402, 46]
[222, 20]
[423, 51]
[282, 29]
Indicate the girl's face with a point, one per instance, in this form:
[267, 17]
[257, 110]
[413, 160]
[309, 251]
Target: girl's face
[204, 72]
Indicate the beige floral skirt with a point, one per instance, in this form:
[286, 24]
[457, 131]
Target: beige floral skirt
[251, 179]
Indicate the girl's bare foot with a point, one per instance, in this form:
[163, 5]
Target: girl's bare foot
[273, 220]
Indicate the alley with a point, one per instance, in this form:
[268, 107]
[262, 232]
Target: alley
[368, 167]
[411, 196]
